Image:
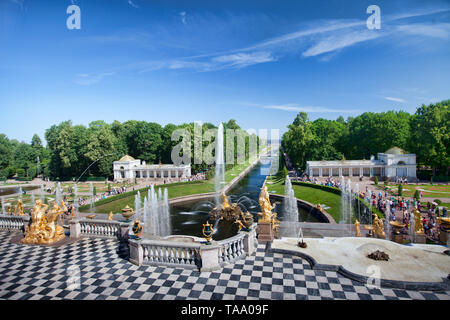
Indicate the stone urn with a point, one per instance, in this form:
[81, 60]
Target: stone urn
[127, 213]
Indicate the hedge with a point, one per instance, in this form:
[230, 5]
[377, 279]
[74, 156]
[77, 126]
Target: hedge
[84, 179]
[133, 193]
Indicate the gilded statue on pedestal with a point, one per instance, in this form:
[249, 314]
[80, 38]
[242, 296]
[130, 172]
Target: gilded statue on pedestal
[378, 227]
[266, 208]
[44, 228]
[19, 208]
[418, 222]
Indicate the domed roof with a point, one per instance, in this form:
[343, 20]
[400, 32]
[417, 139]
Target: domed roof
[395, 150]
[126, 158]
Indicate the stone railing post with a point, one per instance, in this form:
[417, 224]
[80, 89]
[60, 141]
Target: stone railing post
[136, 252]
[75, 228]
[250, 240]
[209, 254]
[124, 230]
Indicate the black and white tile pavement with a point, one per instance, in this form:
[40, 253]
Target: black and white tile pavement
[93, 269]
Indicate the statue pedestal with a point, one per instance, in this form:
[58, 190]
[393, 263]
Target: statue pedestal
[265, 232]
[398, 238]
[444, 237]
[420, 238]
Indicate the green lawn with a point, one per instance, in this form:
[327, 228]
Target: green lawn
[311, 195]
[430, 191]
[84, 187]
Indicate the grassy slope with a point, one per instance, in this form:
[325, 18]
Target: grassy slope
[310, 195]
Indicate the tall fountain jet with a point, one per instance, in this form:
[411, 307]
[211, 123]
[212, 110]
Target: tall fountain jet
[156, 213]
[137, 203]
[58, 192]
[290, 203]
[219, 177]
[91, 190]
[75, 200]
[42, 193]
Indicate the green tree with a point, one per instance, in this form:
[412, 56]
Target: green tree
[296, 140]
[430, 138]
[101, 145]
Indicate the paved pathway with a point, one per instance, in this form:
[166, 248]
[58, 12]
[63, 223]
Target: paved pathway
[37, 272]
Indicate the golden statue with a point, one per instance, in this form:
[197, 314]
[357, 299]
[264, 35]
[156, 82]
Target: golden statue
[275, 224]
[226, 211]
[378, 227]
[44, 228]
[110, 216]
[266, 208]
[245, 222]
[358, 231]
[225, 203]
[19, 208]
[418, 222]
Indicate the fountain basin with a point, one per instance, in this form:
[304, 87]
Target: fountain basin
[423, 267]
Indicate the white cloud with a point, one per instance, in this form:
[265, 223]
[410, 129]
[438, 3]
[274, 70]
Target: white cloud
[241, 60]
[131, 3]
[292, 107]
[439, 30]
[395, 99]
[340, 41]
[183, 17]
[86, 79]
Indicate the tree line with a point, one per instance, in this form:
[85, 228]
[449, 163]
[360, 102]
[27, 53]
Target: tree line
[425, 133]
[71, 149]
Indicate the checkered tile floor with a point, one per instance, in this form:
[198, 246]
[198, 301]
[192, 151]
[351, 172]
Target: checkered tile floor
[98, 269]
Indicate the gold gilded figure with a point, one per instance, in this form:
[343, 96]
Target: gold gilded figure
[266, 208]
[357, 229]
[418, 222]
[378, 227]
[19, 208]
[44, 228]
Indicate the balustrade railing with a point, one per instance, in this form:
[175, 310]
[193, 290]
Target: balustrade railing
[171, 253]
[99, 228]
[231, 249]
[13, 222]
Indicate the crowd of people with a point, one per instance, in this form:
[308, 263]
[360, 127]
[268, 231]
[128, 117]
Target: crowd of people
[399, 207]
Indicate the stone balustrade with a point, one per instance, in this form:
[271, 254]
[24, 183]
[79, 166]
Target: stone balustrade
[231, 249]
[193, 255]
[165, 253]
[98, 228]
[13, 222]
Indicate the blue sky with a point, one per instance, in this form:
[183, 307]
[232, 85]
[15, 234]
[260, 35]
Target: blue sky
[259, 62]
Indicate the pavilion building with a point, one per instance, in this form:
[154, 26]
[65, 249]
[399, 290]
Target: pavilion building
[392, 164]
[128, 168]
